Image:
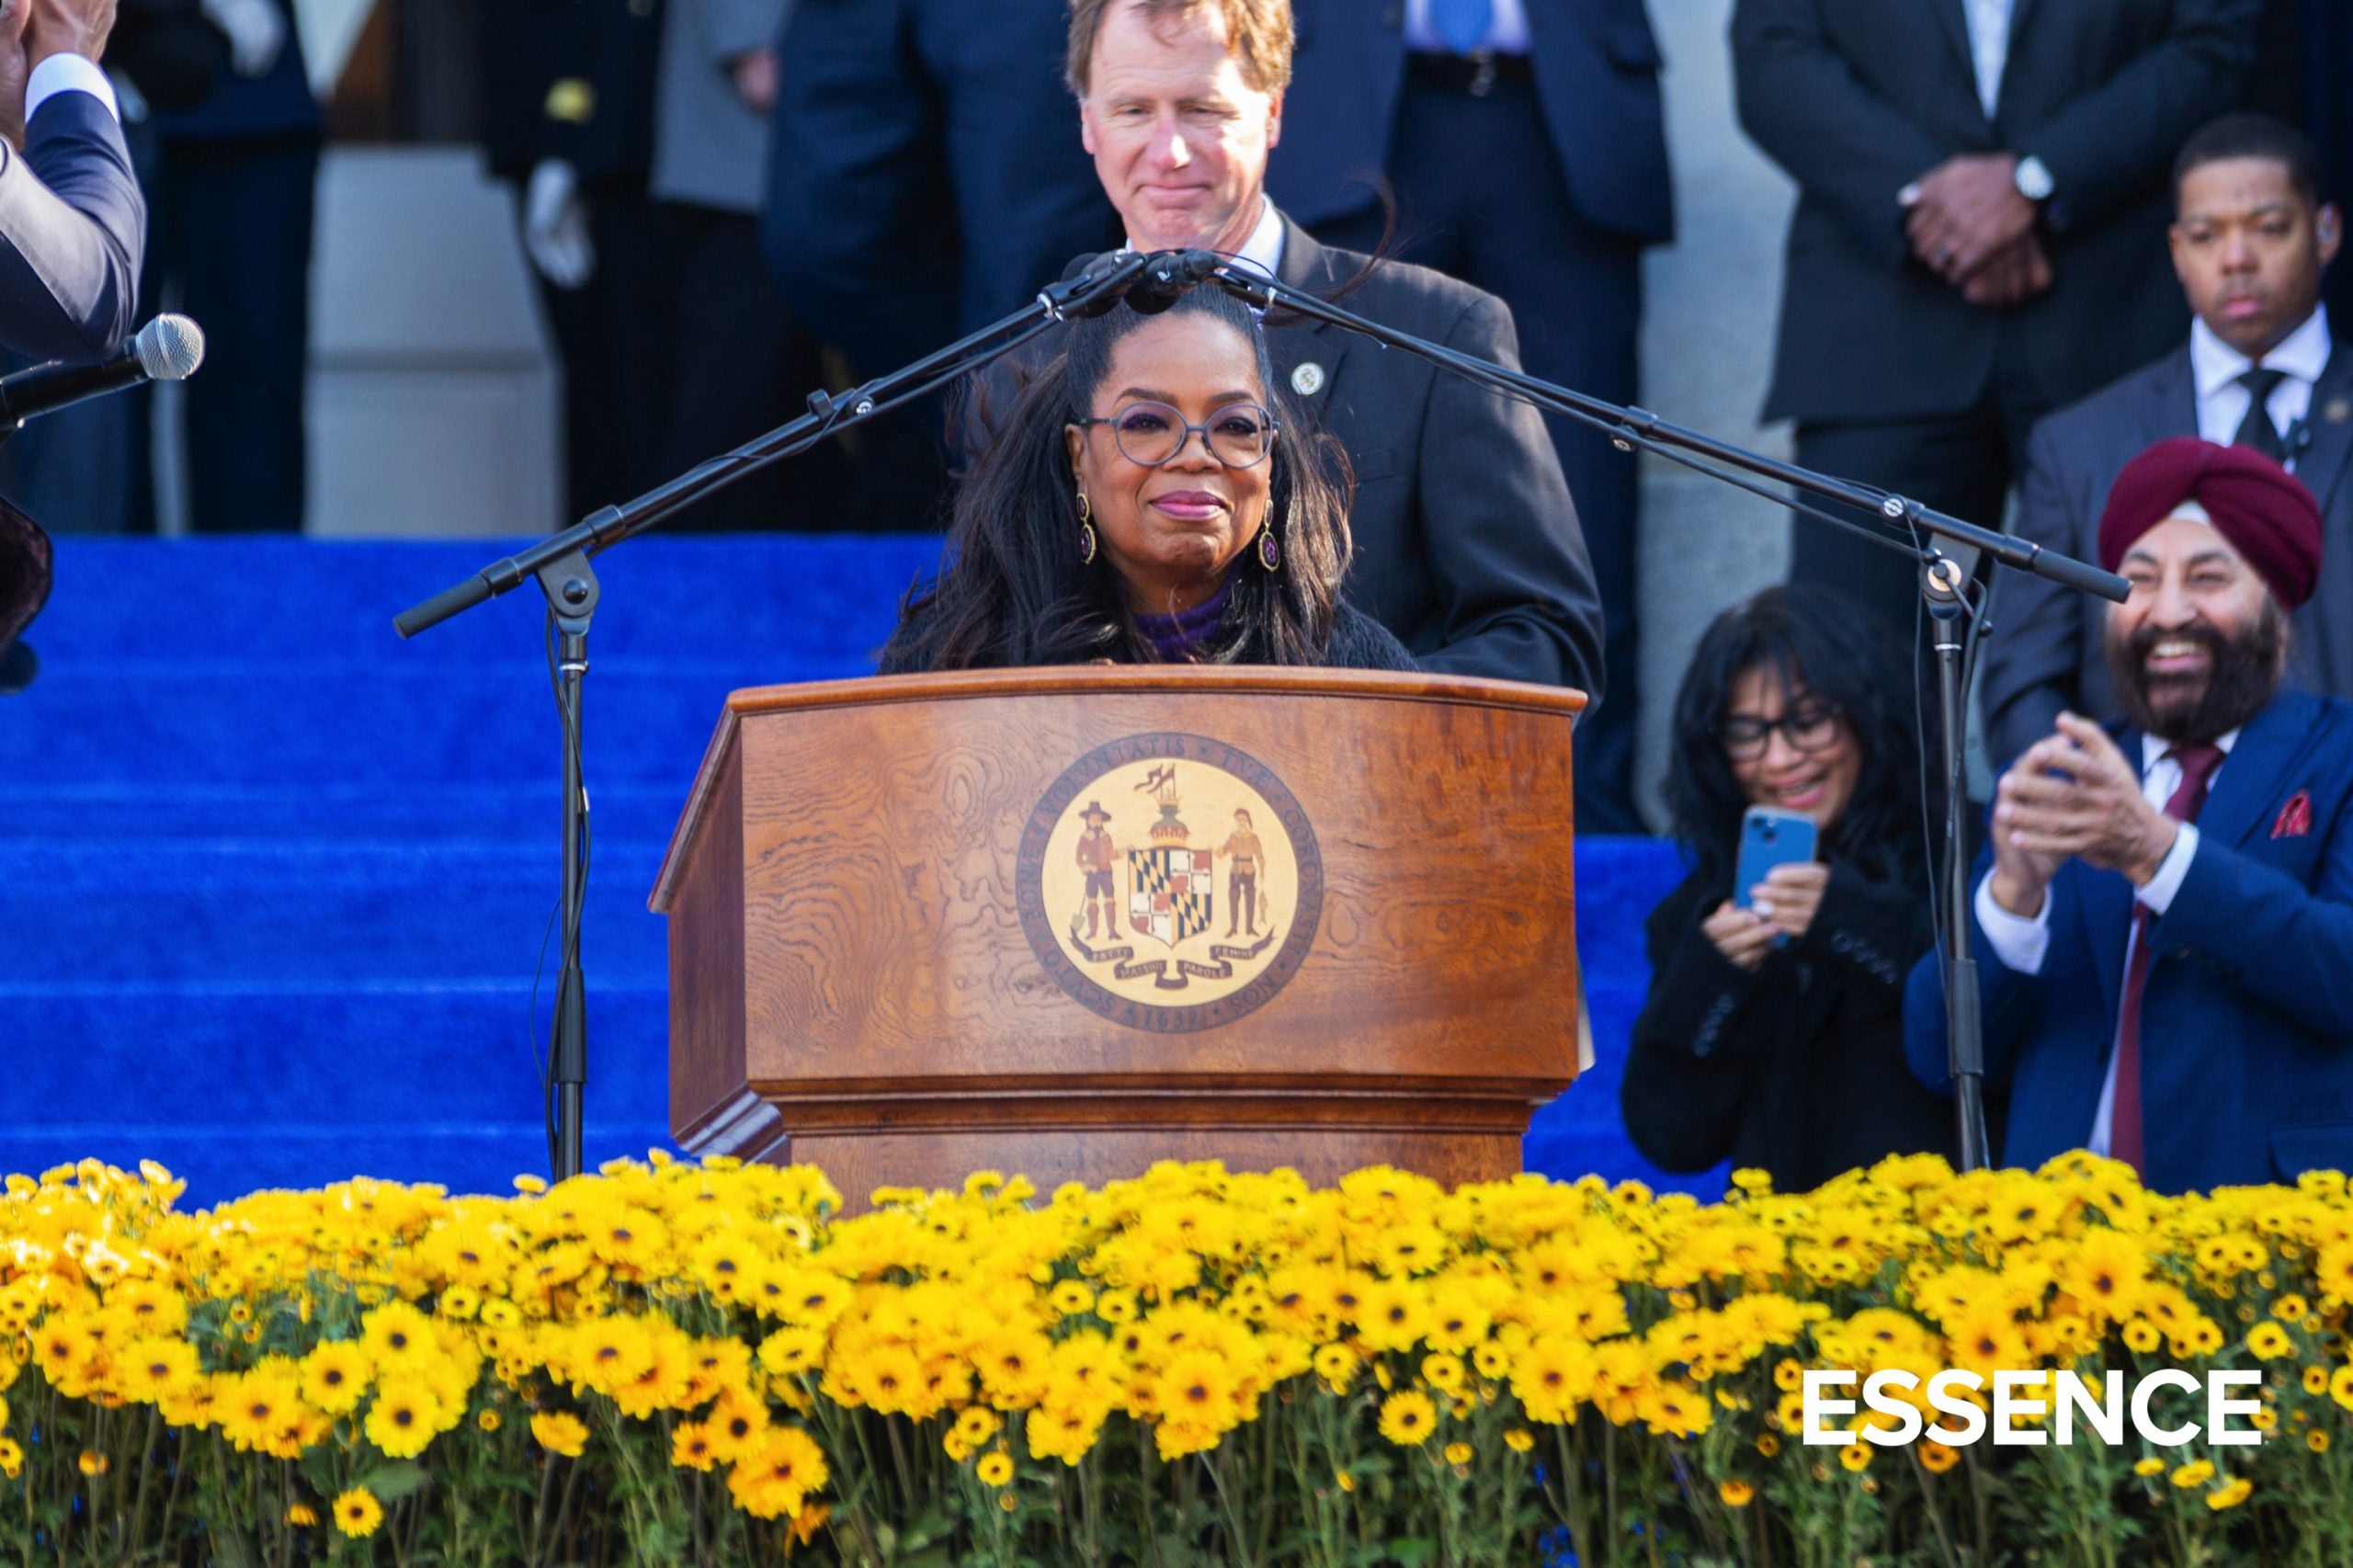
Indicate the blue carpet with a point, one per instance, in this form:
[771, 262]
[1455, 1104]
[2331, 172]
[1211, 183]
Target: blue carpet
[273, 882]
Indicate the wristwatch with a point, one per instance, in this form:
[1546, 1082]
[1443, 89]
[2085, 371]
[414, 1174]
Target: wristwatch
[2032, 180]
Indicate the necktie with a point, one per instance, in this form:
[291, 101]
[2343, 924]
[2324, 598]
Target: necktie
[1464, 24]
[2197, 765]
[2256, 429]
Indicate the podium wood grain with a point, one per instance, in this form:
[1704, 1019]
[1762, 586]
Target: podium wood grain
[851, 983]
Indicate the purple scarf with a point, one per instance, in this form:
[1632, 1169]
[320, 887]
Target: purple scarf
[1178, 638]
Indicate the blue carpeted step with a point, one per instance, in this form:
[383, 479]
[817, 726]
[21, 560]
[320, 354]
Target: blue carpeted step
[522, 815]
[662, 598]
[316, 912]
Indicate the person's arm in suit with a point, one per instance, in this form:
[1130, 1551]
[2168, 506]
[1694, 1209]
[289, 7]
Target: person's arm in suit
[1690, 1064]
[1506, 557]
[2033, 658]
[2289, 947]
[860, 222]
[73, 224]
[1800, 101]
[2118, 140]
[2007, 997]
[730, 29]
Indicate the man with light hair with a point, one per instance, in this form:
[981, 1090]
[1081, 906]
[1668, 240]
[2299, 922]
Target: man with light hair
[1467, 543]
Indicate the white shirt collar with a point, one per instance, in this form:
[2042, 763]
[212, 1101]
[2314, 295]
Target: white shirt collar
[2304, 354]
[1264, 249]
[2153, 750]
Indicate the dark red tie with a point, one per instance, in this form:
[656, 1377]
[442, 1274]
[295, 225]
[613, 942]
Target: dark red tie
[2197, 765]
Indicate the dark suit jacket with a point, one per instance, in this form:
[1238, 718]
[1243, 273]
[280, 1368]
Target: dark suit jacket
[1597, 81]
[2247, 1026]
[1467, 544]
[1797, 1068]
[72, 234]
[1856, 98]
[2044, 654]
[251, 109]
[927, 174]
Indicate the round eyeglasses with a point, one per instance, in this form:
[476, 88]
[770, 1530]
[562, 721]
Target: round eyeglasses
[1149, 434]
[1811, 727]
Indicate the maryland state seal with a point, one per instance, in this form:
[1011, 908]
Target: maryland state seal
[1170, 882]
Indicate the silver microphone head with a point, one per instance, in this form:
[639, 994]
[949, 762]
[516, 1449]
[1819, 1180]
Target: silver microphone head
[170, 348]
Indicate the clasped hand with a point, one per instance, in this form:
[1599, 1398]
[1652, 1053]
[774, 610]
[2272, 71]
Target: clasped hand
[32, 30]
[1783, 905]
[1967, 220]
[2072, 794]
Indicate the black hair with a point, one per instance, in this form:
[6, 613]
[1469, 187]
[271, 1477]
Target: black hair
[1012, 590]
[2251, 135]
[1840, 653]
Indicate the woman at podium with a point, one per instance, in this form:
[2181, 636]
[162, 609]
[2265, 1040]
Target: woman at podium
[1153, 498]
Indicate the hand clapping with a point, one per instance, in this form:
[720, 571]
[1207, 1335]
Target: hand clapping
[2072, 794]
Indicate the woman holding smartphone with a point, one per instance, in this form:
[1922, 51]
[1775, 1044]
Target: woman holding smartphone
[1773, 1034]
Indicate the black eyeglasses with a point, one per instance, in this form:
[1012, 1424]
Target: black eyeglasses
[1149, 434]
[1811, 727]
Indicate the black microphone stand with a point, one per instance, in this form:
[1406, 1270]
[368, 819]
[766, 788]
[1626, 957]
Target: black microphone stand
[1944, 584]
[560, 565]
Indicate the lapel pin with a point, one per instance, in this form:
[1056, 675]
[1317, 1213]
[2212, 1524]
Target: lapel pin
[1308, 380]
[2339, 411]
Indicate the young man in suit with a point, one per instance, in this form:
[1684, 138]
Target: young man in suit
[2164, 918]
[2250, 238]
[1467, 544]
[1981, 200]
[1525, 145]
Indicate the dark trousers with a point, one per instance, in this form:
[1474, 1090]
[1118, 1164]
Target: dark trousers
[1960, 463]
[1481, 196]
[229, 234]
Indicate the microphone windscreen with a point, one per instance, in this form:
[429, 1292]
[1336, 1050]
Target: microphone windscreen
[170, 348]
[17, 666]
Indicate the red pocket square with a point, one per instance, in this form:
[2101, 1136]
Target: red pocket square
[2295, 818]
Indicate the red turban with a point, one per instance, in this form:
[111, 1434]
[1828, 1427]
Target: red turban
[2268, 516]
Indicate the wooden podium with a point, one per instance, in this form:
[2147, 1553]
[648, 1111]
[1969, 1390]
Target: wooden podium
[1068, 922]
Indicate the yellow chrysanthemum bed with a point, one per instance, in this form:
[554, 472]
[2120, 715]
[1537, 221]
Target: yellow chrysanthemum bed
[702, 1364]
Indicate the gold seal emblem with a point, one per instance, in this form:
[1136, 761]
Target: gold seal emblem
[1170, 882]
[1308, 380]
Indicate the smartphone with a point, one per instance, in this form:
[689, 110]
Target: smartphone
[1770, 836]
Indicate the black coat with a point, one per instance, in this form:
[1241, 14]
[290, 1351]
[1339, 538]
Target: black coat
[1799, 1067]
[1358, 643]
[1856, 99]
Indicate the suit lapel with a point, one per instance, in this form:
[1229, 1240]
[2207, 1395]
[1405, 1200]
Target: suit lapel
[1307, 265]
[2327, 623]
[2172, 408]
[2330, 423]
[2247, 790]
[1954, 18]
[2106, 904]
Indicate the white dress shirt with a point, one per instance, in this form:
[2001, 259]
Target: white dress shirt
[1506, 31]
[1989, 47]
[2216, 368]
[2021, 943]
[67, 73]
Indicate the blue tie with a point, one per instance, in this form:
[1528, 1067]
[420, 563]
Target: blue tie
[1464, 24]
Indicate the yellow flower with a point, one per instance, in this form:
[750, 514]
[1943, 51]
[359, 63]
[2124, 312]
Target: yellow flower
[1336, 1365]
[1855, 1456]
[1736, 1493]
[357, 1511]
[1519, 1440]
[1768, 1444]
[487, 1420]
[2197, 1472]
[1407, 1419]
[996, 1468]
[2315, 1380]
[2268, 1342]
[1938, 1458]
[2149, 1466]
[93, 1462]
[1340, 1478]
[560, 1434]
[11, 1458]
[301, 1515]
[2340, 1386]
[2230, 1494]
[1073, 1297]
[777, 1475]
[1459, 1453]
[690, 1446]
[2316, 1440]
[335, 1376]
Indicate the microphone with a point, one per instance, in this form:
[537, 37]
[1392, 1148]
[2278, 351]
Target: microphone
[168, 348]
[1154, 282]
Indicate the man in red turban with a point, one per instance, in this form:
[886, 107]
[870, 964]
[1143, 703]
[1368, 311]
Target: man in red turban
[2168, 972]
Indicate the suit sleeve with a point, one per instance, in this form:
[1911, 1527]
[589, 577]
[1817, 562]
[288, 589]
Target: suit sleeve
[2032, 660]
[2008, 1001]
[1690, 1065]
[859, 227]
[73, 232]
[2289, 947]
[2118, 140]
[1800, 101]
[1506, 556]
